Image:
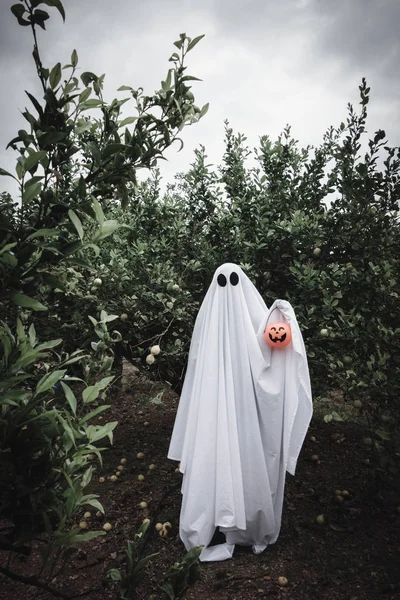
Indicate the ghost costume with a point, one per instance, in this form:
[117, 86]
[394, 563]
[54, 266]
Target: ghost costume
[242, 418]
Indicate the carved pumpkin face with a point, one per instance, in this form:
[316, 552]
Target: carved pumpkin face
[278, 335]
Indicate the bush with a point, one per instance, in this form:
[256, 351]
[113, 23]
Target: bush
[69, 166]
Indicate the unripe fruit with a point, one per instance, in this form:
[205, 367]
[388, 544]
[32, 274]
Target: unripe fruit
[320, 519]
[83, 525]
[357, 404]
[123, 461]
[140, 477]
[120, 468]
[324, 332]
[317, 252]
[97, 281]
[169, 305]
[123, 317]
[167, 525]
[107, 526]
[347, 360]
[143, 504]
[314, 457]
[339, 499]
[163, 532]
[113, 478]
[155, 350]
[140, 455]
[101, 480]
[146, 521]
[87, 515]
[158, 526]
[368, 441]
[152, 467]
[175, 287]
[345, 493]
[313, 439]
[118, 474]
[282, 581]
[150, 359]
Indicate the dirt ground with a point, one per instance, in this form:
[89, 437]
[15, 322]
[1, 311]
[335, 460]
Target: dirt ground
[353, 555]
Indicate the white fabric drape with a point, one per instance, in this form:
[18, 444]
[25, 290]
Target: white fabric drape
[241, 421]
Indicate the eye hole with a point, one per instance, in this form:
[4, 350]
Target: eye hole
[221, 280]
[234, 278]
[273, 328]
[281, 329]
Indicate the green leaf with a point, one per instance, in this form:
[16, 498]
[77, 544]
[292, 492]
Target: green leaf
[106, 229]
[96, 504]
[74, 58]
[82, 188]
[55, 76]
[91, 103]
[127, 121]
[48, 345]
[87, 77]
[51, 137]
[7, 174]
[49, 380]
[96, 433]
[204, 110]
[27, 302]
[32, 335]
[18, 10]
[98, 210]
[194, 42]
[94, 413]
[114, 575]
[8, 247]
[113, 149]
[103, 383]
[40, 16]
[90, 394]
[31, 192]
[76, 222]
[83, 96]
[70, 396]
[33, 159]
[20, 331]
[43, 233]
[57, 4]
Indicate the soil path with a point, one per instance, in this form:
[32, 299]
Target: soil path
[354, 555]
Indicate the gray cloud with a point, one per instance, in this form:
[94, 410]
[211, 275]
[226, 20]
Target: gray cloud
[263, 63]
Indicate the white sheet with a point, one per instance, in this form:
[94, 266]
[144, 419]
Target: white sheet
[242, 418]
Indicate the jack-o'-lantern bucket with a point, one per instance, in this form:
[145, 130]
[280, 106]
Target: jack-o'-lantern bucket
[278, 335]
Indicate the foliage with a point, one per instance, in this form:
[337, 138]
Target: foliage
[317, 226]
[135, 569]
[71, 163]
[182, 574]
[47, 442]
[177, 579]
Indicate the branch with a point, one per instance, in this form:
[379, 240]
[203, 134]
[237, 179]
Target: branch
[33, 581]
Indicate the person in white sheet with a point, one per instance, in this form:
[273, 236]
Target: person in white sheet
[242, 418]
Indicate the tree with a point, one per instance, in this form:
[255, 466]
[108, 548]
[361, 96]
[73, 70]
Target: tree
[69, 167]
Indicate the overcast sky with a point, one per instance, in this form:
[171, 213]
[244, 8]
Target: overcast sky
[264, 63]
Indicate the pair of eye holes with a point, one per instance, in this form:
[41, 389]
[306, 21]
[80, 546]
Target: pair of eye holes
[234, 279]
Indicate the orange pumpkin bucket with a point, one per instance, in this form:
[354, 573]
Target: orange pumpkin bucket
[278, 335]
